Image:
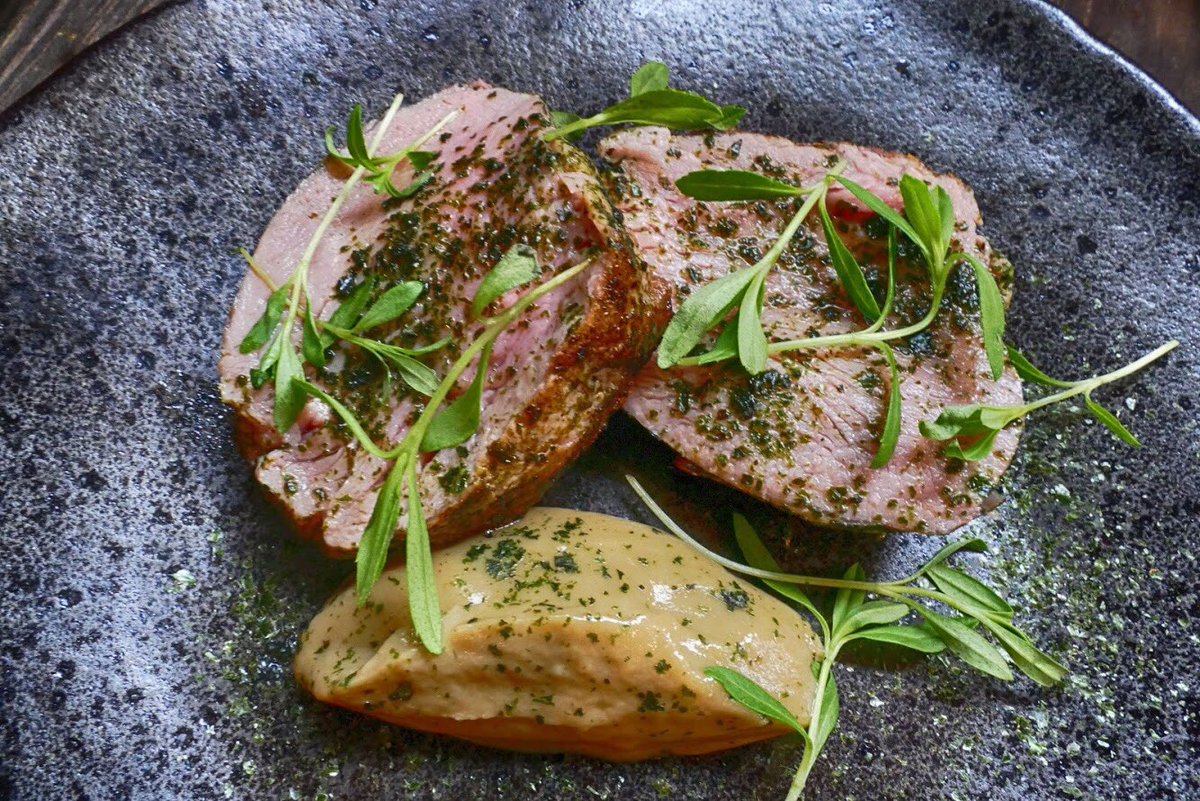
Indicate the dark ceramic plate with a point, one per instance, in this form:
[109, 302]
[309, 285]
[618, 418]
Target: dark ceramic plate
[151, 601]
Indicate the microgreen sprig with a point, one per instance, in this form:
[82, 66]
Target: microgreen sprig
[744, 289]
[436, 428]
[867, 610]
[350, 321]
[928, 222]
[280, 363]
[930, 226]
[379, 170]
[970, 431]
[651, 102]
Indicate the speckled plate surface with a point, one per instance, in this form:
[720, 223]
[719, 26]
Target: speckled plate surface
[150, 601]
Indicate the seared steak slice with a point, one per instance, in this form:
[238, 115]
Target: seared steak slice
[802, 435]
[555, 375]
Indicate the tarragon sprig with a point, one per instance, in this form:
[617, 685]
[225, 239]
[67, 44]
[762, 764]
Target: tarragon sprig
[970, 431]
[280, 363]
[744, 290]
[650, 102]
[931, 233]
[867, 610]
[928, 222]
[436, 428]
[379, 170]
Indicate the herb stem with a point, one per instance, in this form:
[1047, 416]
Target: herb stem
[815, 193]
[496, 325]
[347, 417]
[300, 277]
[1089, 384]
[868, 337]
[347, 335]
[811, 752]
[257, 269]
[895, 589]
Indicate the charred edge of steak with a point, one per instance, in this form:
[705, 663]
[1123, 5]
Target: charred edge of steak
[591, 374]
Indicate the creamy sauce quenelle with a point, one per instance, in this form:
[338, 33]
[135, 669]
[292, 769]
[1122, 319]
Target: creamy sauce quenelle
[567, 631]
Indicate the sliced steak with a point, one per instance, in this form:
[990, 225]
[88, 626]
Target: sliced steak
[801, 436]
[555, 375]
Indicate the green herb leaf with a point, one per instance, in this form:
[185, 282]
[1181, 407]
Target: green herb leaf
[871, 613]
[968, 645]
[1111, 422]
[670, 108]
[261, 331]
[729, 185]
[828, 716]
[383, 183]
[946, 213]
[517, 267]
[991, 314]
[456, 423]
[289, 396]
[377, 537]
[424, 349]
[702, 309]
[890, 296]
[953, 421]
[848, 271]
[757, 555]
[847, 600]
[920, 209]
[314, 354]
[964, 588]
[891, 425]
[332, 150]
[565, 119]
[378, 171]
[973, 545]
[423, 601]
[975, 451]
[417, 375]
[751, 695]
[1035, 664]
[751, 341]
[650, 77]
[1028, 372]
[420, 159]
[918, 638]
[969, 421]
[731, 117]
[393, 303]
[346, 315]
[726, 347]
[356, 143]
[877, 205]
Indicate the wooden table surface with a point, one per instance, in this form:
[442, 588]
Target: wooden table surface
[38, 37]
[1160, 36]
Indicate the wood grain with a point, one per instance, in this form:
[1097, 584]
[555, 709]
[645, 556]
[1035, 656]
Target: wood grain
[41, 36]
[1160, 36]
